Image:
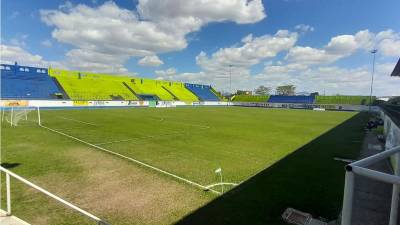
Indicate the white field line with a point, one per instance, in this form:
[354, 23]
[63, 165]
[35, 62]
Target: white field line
[203, 127]
[139, 138]
[223, 183]
[134, 160]
[78, 121]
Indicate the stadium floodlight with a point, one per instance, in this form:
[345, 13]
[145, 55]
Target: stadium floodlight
[219, 171]
[373, 52]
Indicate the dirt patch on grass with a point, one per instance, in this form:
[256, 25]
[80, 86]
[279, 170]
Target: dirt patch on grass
[121, 191]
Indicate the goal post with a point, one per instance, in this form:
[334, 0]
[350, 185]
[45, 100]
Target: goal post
[15, 115]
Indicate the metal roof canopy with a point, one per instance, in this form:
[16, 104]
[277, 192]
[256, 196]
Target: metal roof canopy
[396, 70]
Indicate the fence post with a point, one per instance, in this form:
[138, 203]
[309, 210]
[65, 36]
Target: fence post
[348, 197]
[8, 194]
[395, 193]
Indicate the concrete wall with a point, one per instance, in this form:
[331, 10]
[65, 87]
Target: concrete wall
[391, 131]
[307, 106]
[70, 103]
[392, 134]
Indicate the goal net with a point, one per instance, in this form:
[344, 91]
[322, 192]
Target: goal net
[16, 115]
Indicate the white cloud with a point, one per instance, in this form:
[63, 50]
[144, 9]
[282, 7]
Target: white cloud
[169, 74]
[19, 40]
[88, 60]
[111, 30]
[46, 43]
[304, 28]
[250, 53]
[332, 79]
[387, 42]
[309, 55]
[204, 11]
[11, 54]
[14, 14]
[390, 47]
[306, 67]
[152, 60]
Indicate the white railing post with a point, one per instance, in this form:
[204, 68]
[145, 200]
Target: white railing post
[348, 197]
[8, 193]
[395, 193]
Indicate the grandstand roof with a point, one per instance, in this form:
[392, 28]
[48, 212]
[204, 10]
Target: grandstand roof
[396, 70]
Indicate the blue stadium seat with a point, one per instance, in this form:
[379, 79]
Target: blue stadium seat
[291, 99]
[202, 91]
[23, 82]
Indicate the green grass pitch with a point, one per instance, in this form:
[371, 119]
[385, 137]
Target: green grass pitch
[188, 142]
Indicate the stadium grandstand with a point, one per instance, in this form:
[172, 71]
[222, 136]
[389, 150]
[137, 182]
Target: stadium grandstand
[318, 100]
[291, 99]
[22, 82]
[157, 140]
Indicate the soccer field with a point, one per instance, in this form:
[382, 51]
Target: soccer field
[189, 143]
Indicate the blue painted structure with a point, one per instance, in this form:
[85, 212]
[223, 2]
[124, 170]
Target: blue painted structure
[291, 99]
[204, 92]
[24, 82]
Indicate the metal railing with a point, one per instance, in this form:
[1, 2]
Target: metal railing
[360, 168]
[70, 205]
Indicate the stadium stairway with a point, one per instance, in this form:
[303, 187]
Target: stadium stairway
[64, 94]
[175, 98]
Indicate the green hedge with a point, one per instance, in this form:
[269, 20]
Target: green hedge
[343, 99]
[250, 98]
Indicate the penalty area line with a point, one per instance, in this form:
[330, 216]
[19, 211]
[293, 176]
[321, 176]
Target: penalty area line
[134, 160]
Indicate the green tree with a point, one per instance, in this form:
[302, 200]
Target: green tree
[286, 90]
[262, 90]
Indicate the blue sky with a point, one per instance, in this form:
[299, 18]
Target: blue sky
[317, 45]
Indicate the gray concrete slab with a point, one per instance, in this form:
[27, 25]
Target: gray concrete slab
[10, 220]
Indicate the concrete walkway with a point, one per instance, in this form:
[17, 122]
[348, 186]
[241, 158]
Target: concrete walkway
[10, 220]
[372, 198]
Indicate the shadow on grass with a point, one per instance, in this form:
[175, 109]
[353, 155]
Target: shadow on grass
[309, 179]
[9, 165]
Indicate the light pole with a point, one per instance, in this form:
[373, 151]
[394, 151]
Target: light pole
[230, 78]
[373, 51]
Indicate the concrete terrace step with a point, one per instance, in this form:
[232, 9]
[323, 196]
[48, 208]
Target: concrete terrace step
[10, 220]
